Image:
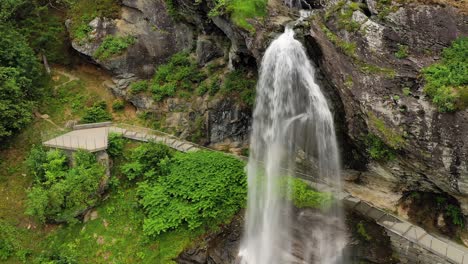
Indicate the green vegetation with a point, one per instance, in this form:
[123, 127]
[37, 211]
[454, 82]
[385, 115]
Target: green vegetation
[238, 82]
[139, 87]
[116, 145]
[345, 17]
[377, 149]
[200, 189]
[447, 81]
[9, 242]
[61, 193]
[348, 48]
[118, 105]
[302, 195]
[390, 136]
[112, 46]
[406, 91]
[402, 52]
[456, 215]
[20, 81]
[180, 72]
[148, 161]
[362, 232]
[241, 11]
[97, 113]
[385, 7]
[83, 11]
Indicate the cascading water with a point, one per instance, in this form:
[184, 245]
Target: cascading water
[291, 116]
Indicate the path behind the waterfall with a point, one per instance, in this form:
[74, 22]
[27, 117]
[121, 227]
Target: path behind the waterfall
[94, 137]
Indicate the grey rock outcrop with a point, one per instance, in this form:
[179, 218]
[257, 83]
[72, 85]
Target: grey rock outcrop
[433, 147]
[157, 36]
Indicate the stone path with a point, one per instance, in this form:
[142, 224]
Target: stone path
[93, 137]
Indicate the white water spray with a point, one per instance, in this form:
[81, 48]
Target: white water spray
[291, 116]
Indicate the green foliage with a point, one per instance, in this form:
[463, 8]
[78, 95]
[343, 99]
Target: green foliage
[348, 48]
[97, 113]
[239, 83]
[83, 11]
[402, 52]
[63, 192]
[406, 91]
[391, 137]
[118, 105]
[112, 46]
[201, 189]
[385, 7]
[148, 161]
[345, 17]
[362, 232]
[139, 87]
[377, 149]
[302, 195]
[20, 84]
[116, 145]
[36, 159]
[9, 243]
[447, 81]
[240, 11]
[455, 215]
[180, 71]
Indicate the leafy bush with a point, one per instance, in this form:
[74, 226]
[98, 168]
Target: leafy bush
[112, 46]
[63, 192]
[97, 113]
[116, 145]
[447, 81]
[201, 188]
[118, 105]
[181, 71]
[139, 87]
[148, 161]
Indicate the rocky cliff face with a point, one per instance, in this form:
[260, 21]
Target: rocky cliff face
[431, 147]
[373, 91]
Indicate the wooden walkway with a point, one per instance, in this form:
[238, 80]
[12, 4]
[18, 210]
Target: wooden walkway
[448, 250]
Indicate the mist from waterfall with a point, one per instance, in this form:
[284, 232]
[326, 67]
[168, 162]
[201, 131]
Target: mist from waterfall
[291, 117]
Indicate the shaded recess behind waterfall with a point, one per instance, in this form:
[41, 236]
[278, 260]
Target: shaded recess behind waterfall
[291, 120]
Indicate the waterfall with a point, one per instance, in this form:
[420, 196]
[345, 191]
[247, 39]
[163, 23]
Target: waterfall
[291, 116]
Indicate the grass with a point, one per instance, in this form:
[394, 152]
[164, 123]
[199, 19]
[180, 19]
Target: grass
[116, 236]
[402, 52]
[447, 80]
[243, 10]
[113, 46]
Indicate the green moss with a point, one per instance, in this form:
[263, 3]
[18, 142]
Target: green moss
[345, 17]
[238, 82]
[402, 52]
[112, 46]
[390, 136]
[362, 232]
[385, 7]
[447, 81]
